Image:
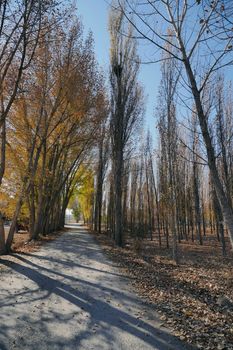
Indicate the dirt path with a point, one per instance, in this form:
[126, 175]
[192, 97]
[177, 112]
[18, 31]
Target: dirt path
[69, 296]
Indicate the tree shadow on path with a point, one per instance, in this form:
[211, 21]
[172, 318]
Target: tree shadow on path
[89, 297]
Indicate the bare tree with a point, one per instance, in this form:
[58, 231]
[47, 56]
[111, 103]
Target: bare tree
[126, 104]
[103, 154]
[201, 38]
[196, 178]
[168, 132]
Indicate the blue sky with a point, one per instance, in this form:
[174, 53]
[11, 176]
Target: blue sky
[94, 15]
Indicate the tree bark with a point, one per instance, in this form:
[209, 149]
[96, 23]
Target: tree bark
[14, 222]
[118, 171]
[2, 236]
[222, 197]
[3, 151]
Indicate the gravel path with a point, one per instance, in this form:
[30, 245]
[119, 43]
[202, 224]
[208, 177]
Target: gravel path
[69, 296]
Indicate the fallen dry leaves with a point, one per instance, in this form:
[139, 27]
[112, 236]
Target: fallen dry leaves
[189, 297]
[22, 244]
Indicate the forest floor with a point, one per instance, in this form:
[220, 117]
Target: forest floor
[68, 295]
[22, 243]
[194, 299]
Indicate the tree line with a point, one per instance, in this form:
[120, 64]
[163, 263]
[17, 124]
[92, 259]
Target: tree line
[51, 117]
[182, 188]
[71, 136]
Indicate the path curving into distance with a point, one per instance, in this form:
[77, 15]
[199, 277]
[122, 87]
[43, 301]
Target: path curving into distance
[70, 296]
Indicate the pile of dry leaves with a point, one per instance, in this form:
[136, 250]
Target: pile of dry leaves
[193, 299]
[22, 243]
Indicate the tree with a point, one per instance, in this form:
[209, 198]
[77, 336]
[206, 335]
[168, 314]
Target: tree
[85, 195]
[21, 23]
[196, 178]
[198, 29]
[169, 137]
[126, 105]
[103, 153]
[53, 127]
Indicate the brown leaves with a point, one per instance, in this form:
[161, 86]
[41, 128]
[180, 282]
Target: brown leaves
[186, 297]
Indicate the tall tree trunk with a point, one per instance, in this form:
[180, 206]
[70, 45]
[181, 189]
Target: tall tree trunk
[222, 197]
[99, 191]
[2, 150]
[149, 203]
[2, 236]
[39, 209]
[14, 221]
[197, 203]
[219, 222]
[118, 171]
[32, 209]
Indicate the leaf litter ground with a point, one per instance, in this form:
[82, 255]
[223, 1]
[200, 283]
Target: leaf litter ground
[193, 299]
